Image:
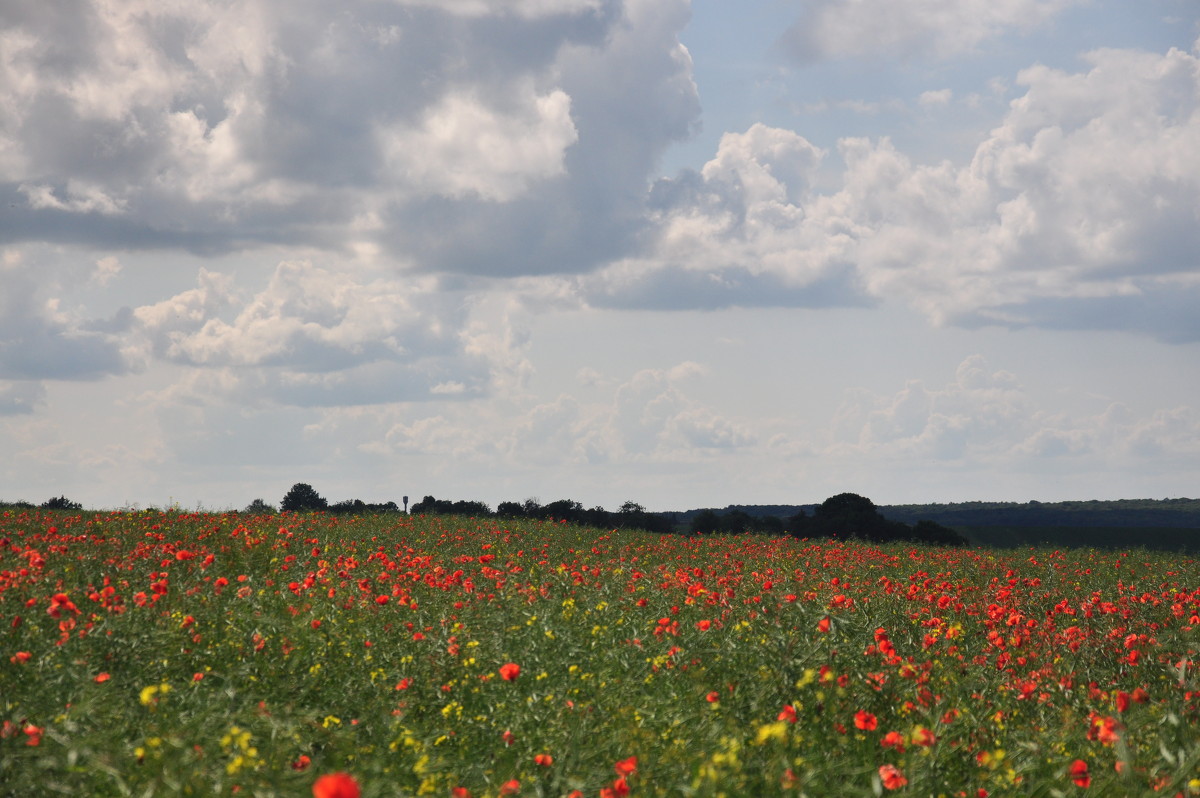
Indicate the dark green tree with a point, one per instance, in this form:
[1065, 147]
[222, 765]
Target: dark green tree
[563, 510]
[848, 515]
[348, 507]
[259, 507]
[935, 534]
[705, 522]
[510, 510]
[302, 499]
[61, 503]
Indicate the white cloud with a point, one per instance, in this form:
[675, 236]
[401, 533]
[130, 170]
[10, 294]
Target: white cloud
[529, 9]
[317, 336]
[737, 233]
[448, 388]
[1086, 196]
[646, 418]
[652, 418]
[171, 321]
[864, 107]
[987, 418]
[934, 98]
[80, 198]
[20, 398]
[484, 137]
[942, 28]
[980, 413]
[107, 268]
[1079, 210]
[44, 338]
[462, 147]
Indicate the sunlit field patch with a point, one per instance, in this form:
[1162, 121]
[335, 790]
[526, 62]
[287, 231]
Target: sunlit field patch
[294, 655]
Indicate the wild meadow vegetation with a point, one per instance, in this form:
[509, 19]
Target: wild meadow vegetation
[171, 653]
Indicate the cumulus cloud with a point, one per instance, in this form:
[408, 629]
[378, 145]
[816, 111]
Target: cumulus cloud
[1080, 210]
[319, 337]
[652, 417]
[20, 398]
[43, 338]
[630, 96]
[1077, 211]
[463, 148]
[524, 8]
[736, 234]
[475, 136]
[985, 416]
[107, 268]
[943, 28]
[979, 412]
[935, 97]
[647, 418]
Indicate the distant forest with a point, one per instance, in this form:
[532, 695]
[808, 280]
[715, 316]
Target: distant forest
[1179, 513]
[1172, 524]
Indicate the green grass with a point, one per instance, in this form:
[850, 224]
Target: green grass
[268, 657]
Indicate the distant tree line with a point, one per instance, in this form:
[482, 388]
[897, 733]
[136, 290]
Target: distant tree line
[303, 498]
[845, 516]
[849, 515]
[631, 515]
[56, 503]
[1179, 513]
[708, 521]
[1171, 524]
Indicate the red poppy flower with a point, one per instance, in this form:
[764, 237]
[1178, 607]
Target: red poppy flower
[545, 760]
[865, 721]
[510, 787]
[923, 737]
[823, 625]
[626, 767]
[509, 671]
[336, 785]
[1104, 729]
[891, 777]
[1079, 773]
[713, 697]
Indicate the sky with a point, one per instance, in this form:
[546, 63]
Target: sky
[687, 254]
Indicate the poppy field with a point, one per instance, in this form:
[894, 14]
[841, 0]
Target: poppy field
[153, 654]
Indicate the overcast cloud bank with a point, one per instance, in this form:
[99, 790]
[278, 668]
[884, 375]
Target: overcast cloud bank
[336, 227]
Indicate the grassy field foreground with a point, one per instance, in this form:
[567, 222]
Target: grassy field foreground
[184, 654]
